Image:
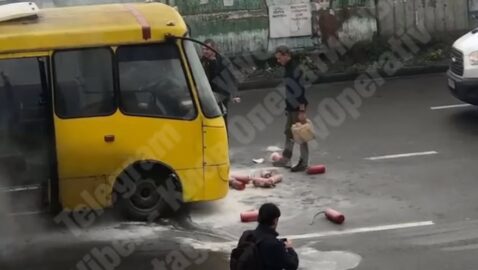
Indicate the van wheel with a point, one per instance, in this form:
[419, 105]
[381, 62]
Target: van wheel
[151, 199]
[145, 204]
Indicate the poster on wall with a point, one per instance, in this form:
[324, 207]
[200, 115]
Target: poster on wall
[292, 20]
[228, 3]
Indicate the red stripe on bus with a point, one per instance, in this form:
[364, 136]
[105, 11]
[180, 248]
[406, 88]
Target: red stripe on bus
[145, 27]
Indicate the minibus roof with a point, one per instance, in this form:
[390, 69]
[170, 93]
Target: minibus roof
[91, 26]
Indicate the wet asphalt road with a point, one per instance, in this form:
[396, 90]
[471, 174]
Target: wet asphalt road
[438, 188]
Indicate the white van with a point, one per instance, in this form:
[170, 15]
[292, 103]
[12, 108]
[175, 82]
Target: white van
[463, 72]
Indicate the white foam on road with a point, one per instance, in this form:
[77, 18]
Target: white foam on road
[224, 213]
[224, 247]
[113, 232]
[449, 107]
[221, 213]
[404, 155]
[273, 148]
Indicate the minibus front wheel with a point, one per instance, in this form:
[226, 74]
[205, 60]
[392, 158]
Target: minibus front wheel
[148, 191]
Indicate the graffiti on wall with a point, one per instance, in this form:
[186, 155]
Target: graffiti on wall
[299, 24]
[325, 23]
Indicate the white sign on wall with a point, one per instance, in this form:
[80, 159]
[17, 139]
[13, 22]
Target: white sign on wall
[290, 20]
[228, 3]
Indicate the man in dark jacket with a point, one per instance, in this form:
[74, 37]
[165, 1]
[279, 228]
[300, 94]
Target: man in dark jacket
[275, 254]
[221, 78]
[295, 106]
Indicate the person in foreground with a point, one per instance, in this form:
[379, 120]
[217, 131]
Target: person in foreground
[261, 249]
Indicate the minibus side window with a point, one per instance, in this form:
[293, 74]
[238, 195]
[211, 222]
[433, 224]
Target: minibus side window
[84, 83]
[153, 82]
[206, 97]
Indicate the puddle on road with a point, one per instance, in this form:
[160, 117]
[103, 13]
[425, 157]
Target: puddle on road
[309, 258]
[313, 259]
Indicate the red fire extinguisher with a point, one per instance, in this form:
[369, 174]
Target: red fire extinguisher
[263, 182]
[332, 215]
[242, 178]
[238, 185]
[316, 169]
[249, 216]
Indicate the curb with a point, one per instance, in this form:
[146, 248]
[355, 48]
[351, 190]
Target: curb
[342, 77]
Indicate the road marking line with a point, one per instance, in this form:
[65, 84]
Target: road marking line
[30, 213]
[362, 230]
[403, 155]
[449, 107]
[230, 244]
[461, 248]
[19, 188]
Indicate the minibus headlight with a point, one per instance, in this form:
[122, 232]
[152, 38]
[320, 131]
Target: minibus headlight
[474, 58]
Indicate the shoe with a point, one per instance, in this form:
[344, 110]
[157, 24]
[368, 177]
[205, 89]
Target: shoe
[283, 162]
[300, 167]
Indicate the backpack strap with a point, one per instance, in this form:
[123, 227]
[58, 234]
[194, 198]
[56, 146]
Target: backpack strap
[257, 244]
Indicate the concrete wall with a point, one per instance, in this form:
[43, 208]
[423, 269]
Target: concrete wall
[473, 11]
[194, 7]
[357, 20]
[235, 32]
[244, 26]
[437, 16]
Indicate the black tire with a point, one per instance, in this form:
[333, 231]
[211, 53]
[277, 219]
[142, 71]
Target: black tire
[147, 202]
